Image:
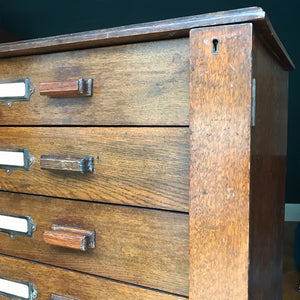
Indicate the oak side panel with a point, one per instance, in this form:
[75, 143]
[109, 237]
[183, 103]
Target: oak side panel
[133, 166]
[138, 84]
[268, 170]
[48, 280]
[139, 246]
[220, 115]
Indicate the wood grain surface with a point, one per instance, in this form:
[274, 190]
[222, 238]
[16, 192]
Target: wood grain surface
[132, 166]
[268, 170]
[138, 84]
[220, 118]
[134, 245]
[173, 28]
[50, 280]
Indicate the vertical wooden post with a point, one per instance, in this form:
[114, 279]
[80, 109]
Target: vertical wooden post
[220, 120]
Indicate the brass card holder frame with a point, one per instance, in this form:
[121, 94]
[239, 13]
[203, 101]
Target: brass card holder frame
[31, 227]
[32, 292]
[29, 90]
[28, 160]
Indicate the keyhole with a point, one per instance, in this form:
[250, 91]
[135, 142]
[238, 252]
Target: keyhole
[215, 46]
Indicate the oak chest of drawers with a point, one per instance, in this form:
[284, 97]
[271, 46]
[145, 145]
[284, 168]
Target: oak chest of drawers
[146, 162]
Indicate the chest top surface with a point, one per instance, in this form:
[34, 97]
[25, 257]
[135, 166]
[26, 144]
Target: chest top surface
[167, 29]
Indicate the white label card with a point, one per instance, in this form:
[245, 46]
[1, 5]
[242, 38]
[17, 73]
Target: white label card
[13, 224]
[14, 89]
[14, 288]
[11, 158]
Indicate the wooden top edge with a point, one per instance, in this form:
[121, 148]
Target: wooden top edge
[290, 64]
[158, 30]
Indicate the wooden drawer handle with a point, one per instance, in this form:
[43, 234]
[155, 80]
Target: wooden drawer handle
[67, 163]
[61, 297]
[68, 88]
[69, 237]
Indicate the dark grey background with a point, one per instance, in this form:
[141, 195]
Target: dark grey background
[37, 18]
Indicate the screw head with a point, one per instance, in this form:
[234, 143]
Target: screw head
[31, 89]
[8, 171]
[34, 293]
[31, 160]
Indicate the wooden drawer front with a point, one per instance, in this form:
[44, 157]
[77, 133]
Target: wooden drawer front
[141, 84]
[135, 245]
[135, 166]
[48, 280]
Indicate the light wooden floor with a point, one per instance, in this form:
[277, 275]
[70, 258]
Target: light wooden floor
[291, 276]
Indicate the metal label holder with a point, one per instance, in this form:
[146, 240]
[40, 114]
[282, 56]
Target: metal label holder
[29, 90]
[32, 292]
[31, 227]
[28, 161]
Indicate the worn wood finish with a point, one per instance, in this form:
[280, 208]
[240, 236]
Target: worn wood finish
[134, 245]
[220, 118]
[50, 280]
[167, 29]
[129, 82]
[268, 169]
[69, 237]
[68, 88]
[133, 166]
[67, 163]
